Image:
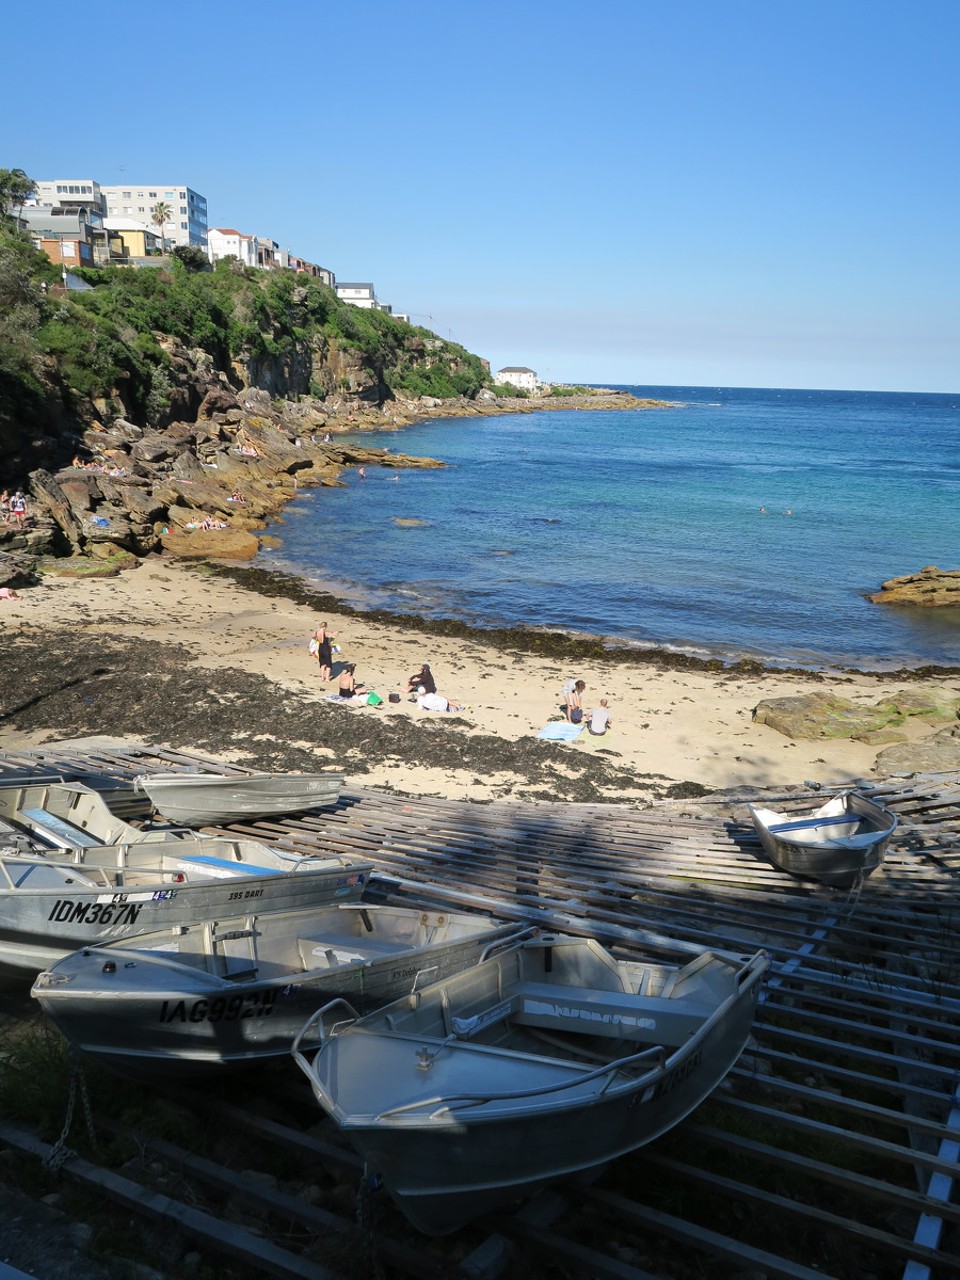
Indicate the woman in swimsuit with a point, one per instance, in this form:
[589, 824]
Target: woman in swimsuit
[324, 639]
[348, 686]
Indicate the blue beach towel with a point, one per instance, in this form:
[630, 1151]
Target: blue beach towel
[560, 731]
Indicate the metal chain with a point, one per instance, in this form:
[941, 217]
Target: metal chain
[60, 1153]
[366, 1225]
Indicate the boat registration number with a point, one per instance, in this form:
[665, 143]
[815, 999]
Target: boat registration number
[252, 1004]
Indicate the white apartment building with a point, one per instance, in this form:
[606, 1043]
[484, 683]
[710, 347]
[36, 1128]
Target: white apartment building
[67, 193]
[187, 223]
[227, 242]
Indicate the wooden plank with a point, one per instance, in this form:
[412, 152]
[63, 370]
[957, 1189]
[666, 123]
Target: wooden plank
[818, 1171]
[222, 1237]
[758, 1198]
[737, 1253]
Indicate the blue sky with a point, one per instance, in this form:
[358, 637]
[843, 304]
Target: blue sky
[703, 192]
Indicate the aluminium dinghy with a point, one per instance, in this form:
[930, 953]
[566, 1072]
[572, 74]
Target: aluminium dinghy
[236, 992]
[548, 1058]
[838, 843]
[73, 873]
[210, 799]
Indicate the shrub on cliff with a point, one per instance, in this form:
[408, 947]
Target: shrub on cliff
[24, 274]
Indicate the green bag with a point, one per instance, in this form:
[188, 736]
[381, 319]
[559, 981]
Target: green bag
[374, 700]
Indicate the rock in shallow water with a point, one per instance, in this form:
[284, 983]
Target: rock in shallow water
[930, 588]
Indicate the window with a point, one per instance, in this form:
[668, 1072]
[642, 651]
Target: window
[126, 195]
[183, 208]
[168, 195]
[153, 195]
[183, 226]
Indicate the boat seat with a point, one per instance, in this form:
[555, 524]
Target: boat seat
[64, 835]
[616, 1014]
[220, 868]
[48, 875]
[811, 824]
[333, 951]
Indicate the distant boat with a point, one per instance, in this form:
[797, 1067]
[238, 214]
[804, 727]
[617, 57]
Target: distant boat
[838, 843]
[208, 799]
[73, 873]
[548, 1058]
[236, 992]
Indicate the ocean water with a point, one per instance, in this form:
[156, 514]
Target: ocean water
[645, 527]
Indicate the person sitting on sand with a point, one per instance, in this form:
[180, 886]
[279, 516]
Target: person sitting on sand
[348, 687]
[599, 720]
[237, 496]
[572, 700]
[8, 593]
[422, 677]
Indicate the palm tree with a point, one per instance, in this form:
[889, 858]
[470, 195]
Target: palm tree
[161, 214]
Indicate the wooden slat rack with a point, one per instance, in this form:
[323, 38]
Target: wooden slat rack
[831, 1149]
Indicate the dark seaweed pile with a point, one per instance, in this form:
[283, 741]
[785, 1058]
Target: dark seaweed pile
[77, 685]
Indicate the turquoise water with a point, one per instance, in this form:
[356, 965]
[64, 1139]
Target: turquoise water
[645, 526]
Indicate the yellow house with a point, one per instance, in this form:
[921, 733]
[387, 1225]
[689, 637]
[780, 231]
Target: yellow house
[133, 239]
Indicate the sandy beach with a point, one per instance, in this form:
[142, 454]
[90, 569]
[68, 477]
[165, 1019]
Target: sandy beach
[238, 682]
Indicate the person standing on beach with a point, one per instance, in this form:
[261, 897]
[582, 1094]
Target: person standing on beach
[324, 639]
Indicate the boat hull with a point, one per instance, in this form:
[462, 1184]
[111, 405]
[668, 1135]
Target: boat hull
[205, 799]
[445, 1160]
[149, 1014]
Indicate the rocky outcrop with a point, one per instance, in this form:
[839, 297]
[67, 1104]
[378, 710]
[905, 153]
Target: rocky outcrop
[930, 588]
[211, 544]
[16, 570]
[940, 753]
[827, 715]
[199, 488]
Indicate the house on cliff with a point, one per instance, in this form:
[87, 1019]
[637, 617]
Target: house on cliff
[518, 376]
[227, 242]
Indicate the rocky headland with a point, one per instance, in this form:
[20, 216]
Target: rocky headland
[203, 488]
